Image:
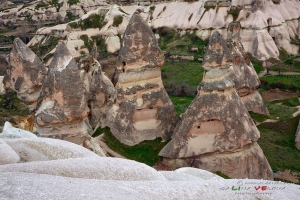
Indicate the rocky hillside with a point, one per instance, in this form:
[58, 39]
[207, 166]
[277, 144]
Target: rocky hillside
[271, 25]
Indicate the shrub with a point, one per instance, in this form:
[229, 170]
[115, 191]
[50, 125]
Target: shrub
[117, 20]
[93, 21]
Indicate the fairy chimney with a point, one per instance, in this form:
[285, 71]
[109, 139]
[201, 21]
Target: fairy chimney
[26, 72]
[62, 110]
[143, 109]
[100, 90]
[242, 72]
[216, 131]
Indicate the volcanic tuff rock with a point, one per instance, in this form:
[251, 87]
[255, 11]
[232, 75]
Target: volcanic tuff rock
[297, 139]
[62, 110]
[272, 25]
[142, 110]
[217, 123]
[26, 73]
[3, 64]
[242, 72]
[100, 90]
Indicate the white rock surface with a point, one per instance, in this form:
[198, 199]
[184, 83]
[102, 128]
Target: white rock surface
[90, 168]
[7, 154]
[11, 132]
[196, 16]
[37, 149]
[203, 174]
[18, 185]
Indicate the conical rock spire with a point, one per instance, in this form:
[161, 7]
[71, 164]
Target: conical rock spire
[142, 109]
[61, 107]
[217, 123]
[26, 73]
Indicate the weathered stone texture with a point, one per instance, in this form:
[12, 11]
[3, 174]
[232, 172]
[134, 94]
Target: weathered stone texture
[61, 108]
[142, 110]
[100, 90]
[248, 163]
[26, 73]
[217, 129]
[242, 72]
[3, 65]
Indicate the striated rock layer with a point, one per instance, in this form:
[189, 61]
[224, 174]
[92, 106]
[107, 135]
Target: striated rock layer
[100, 90]
[62, 110]
[242, 72]
[217, 130]
[142, 110]
[26, 72]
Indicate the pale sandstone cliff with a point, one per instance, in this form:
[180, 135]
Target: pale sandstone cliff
[270, 25]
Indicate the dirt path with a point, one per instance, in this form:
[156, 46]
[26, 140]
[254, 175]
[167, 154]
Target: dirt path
[274, 73]
[107, 149]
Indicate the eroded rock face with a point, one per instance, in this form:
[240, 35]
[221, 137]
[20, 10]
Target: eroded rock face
[3, 65]
[242, 72]
[297, 139]
[235, 164]
[100, 90]
[142, 110]
[62, 110]
[217, 121]
[26, 73]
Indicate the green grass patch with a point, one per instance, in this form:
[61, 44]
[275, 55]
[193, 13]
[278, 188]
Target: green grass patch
[278, 143]
[284, 82]
[235, 13]
[43, 49]
[258, 117]
[209, 7]
[100, 131]
[11, 105]
[257, 64]
[280, 112]
[88, 43]
[175, 44]
[71, 17]
[181, 103]
[93, 21]
[117, 20]
[182, 73]
[145, 152]
[222, 175]
[73, 2]
[41, 4]
[295, 40]
[292, 102]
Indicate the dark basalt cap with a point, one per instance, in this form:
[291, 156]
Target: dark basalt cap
[139, 47]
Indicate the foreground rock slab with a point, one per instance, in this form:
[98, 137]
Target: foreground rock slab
[58, 187]
[142, 109]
